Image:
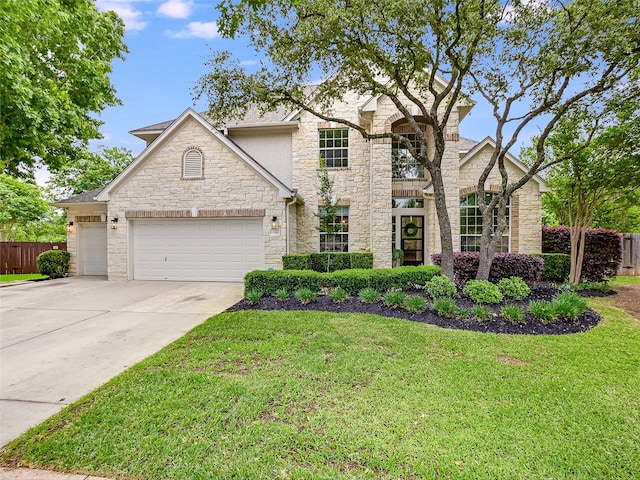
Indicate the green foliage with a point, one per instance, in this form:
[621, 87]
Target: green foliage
[556, 266]
[543, 310]
[325, 261]
[330, 261]
[512, 313]
[253, 296]
[90, 170]
[482, 291]
[514, 288]
[394, 298]
[414, 303]
[269, 282]
[402, 278]
[53, 263]
[369, 295]
[296, 261]
[54, 71]
[598, 286]
[397, 257]
[361, 259]
[569, 305]
[306, 295]
[281, 294]
[481, 312]
[21, 205]
[338, 294]
[445, 307]
[441, 287]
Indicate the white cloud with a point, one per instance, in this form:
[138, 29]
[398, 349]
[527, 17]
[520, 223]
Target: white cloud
[207, 30]
[176, 8]
[125, 9]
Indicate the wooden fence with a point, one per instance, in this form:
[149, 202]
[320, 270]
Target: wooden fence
[630, 254]
[20, 257]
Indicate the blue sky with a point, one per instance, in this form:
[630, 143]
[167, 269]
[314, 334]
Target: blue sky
[169, 41]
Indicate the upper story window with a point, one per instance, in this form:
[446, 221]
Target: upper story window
[334, 147]
[193, 164]
[471, 224]
[338, 241]
[403, 164]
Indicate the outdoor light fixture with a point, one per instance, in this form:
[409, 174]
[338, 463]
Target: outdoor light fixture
[70, 227]
[275, 225]
[114, 223]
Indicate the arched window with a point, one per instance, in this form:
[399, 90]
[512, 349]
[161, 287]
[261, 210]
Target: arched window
[192, 164]
[403, 164]
[471, 224]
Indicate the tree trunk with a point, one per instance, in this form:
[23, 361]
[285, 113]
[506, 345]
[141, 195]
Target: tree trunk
[487, 247]
[578, 238]
[446, 239]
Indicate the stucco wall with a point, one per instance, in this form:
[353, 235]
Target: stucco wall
[272, 150]
[229, 183]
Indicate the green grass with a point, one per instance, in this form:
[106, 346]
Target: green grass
[258, 394]
[624, 280]
[21, 276]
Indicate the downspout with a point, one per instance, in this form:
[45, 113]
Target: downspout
[371, 229]
[294, 196]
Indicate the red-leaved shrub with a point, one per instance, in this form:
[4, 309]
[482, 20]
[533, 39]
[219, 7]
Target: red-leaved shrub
[505, 265]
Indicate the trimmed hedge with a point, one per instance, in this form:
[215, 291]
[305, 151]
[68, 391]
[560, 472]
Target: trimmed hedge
[602, 253]
[556, 266]
[353, 280]
[327, 262]
[53, 263]
[505, 265]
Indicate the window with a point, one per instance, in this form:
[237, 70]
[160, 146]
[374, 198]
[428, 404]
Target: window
[337, 242]
[407, 203]
[403, 164]
[192, 164]
[471, 224]
[334, 147]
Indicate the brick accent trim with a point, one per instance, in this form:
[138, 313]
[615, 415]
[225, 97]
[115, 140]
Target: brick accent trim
[407, 193]
[239, 212]
[88, 219]
[469, 190]
[330, 125]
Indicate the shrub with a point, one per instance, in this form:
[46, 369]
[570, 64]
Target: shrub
[369, 295]
[361, 260]
[53, 263]
[514, 288]
[602, 253]
[415, 303]
[330, 261]
[599, 286]
[556, 266]
[394, 298]
[465, 266]
[481, 312]
[445, 307]
[253, 296]
[543, 311]
[441, 287]
[338, 294]
[569, 305]
[482, 291]
[268, 282]
[380, 279]
[306, 295]
[282, 294]
[512, 313]
[296, 261]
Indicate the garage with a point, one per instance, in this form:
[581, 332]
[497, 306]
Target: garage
[92, 248]
[205, 250]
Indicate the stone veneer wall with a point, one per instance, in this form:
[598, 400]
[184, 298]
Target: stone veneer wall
[526, 235]
[229, 184]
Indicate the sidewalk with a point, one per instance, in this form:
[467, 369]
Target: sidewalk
[29, 474]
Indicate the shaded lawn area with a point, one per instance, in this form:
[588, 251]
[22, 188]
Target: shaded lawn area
[21, 276]
[259, 394]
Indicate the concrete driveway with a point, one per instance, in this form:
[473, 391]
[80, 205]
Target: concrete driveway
[60, 339]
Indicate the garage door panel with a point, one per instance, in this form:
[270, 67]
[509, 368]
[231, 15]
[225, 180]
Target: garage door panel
[92, 248]
[196, 250]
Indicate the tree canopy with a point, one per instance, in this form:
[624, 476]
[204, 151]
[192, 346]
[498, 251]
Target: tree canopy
[529, 60]
[21, 205]
[55, 61]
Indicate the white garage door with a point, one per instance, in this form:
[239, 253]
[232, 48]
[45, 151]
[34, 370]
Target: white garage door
[92, 249]
[197, 250]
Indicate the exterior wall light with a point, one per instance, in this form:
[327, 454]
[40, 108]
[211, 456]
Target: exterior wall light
[70, 227]
[114, 223]
[275, 226]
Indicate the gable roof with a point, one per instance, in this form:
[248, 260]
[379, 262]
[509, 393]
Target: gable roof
[490, 142]
[85, 197]
[283, 190]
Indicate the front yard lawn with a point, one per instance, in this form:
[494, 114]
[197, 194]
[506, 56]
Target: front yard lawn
[278, 394]
[21, 276]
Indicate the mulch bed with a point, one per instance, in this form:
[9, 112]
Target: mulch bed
[497, 324]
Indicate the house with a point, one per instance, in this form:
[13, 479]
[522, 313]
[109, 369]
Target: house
[210, 204]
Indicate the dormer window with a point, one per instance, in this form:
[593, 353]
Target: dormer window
[193, 164]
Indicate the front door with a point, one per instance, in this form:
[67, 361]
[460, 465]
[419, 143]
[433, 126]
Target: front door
[412, 239]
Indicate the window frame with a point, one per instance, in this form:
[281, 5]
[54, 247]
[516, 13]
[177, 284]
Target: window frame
[323, 149]
[340, 240]
[471, 232]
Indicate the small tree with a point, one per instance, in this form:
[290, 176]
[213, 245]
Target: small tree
[328, 210]
[21, 204]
